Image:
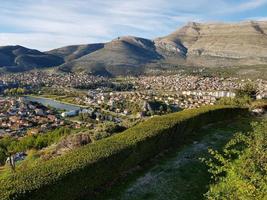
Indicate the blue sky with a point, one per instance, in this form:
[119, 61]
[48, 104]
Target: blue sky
[47, 24]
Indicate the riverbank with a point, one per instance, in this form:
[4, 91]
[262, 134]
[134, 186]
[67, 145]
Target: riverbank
[54, 103]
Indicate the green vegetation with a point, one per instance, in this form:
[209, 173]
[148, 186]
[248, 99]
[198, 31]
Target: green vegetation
[244, 97]
[107, 129]
[178, 173]
[240, 170]
[15, 91]
[10, 145]
[96, 164]
[248, 90]
[242, 101]
[259, 104]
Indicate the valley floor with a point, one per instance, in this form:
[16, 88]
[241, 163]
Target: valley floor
[178, 175]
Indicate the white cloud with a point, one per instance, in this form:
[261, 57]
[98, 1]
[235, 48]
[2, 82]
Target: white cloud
[241, 7]
[47, 24]
[252, 4]
[43, 40]
[262, 18]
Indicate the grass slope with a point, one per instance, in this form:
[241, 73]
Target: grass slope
[178, 175]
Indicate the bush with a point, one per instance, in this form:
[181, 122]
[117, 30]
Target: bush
[33, 141]
[240, 171]
[238, 101]
[248, 90]
[83, 170]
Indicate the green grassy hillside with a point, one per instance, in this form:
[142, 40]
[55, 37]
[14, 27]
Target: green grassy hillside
[86, 169]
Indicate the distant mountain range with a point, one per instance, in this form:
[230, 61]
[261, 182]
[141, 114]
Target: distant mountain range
[195, 44]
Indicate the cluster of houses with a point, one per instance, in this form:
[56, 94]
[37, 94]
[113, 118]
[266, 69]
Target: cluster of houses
[180, 82]
[18, 117]
[183, 99]
[91, 113]
[184, 91]
[39, 79]
[180, 90]
[262, 89]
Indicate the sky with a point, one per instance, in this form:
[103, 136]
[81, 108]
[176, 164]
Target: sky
[48, 24]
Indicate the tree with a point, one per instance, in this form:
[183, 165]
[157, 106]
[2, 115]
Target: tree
[15, 91]
[248, 89]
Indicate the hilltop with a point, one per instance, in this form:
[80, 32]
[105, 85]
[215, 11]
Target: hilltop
[195, 44]
[220, 44]
[18, 58]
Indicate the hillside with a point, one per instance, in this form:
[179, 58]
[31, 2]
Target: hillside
[177, 174]
[219, 44]
[87, 166]
[122, 56]
[73, 52]
[18, 58]
[195, 44]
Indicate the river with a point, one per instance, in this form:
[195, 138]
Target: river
[52, 103]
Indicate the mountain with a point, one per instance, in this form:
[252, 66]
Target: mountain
[18, 58]
[195, 44]
[222, 44]
[73, 52]
[122, 56]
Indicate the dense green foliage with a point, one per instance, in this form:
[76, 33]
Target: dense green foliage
[248, 90]
[15, 91]
[240, 171]
[240, 101]
[9, 145]
[106, 129]
[81, 171]
[244, 96]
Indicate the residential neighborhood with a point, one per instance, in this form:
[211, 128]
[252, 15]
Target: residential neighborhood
[19, 117]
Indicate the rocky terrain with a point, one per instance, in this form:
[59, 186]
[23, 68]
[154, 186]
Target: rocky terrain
[195, 44]
[218, 43]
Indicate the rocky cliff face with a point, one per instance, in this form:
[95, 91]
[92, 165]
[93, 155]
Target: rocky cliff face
[239, 42]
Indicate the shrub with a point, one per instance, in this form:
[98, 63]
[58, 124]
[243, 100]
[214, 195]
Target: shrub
[248, 89]
[85, 169]
[238, 101]
[240, 171]
[33, 141]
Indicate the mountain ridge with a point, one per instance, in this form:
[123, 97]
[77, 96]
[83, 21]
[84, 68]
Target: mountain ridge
[195, 44]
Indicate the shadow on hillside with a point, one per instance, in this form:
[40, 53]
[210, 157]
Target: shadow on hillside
[176, 173]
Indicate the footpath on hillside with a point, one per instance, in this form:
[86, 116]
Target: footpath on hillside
[178, 175]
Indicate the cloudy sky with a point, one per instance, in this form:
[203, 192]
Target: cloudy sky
[47, 24]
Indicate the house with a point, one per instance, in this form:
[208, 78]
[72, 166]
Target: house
[71, 113]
